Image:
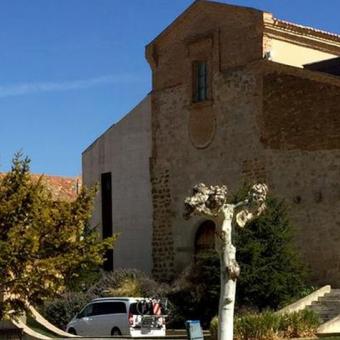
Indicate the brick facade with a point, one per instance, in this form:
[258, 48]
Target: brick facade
[301, 135]
[266, 118]
[263, 122]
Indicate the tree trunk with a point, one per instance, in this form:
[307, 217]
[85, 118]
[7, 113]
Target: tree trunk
[211, 201]
[229, 273]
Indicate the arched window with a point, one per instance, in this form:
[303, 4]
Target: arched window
[205, 237]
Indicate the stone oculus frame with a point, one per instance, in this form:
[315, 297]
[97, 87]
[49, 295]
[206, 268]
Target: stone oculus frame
[201, 119]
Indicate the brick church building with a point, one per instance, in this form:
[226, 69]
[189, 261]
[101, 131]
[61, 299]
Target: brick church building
[236, 95]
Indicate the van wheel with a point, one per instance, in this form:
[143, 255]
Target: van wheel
[115, 331]
[72, 331]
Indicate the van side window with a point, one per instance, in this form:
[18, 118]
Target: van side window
[87, 311]
[119, 307]
[109, 308]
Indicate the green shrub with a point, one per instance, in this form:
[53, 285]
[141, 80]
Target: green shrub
[270, 326]
[299, 324]
[214, 328]
[195, 294]
[60, 311]
[128, 282]
[257, 326]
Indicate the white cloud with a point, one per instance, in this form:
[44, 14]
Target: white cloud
[39, 87]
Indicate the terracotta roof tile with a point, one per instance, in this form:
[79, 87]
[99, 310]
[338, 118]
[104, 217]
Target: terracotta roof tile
[308, 30]
[62, 188]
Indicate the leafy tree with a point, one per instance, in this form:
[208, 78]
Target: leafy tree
[44, 244]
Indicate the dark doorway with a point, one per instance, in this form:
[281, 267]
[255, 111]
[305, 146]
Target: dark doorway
[205, 237]
[106, 191]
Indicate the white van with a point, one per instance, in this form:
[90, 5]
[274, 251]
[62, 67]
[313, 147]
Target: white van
[118, 316]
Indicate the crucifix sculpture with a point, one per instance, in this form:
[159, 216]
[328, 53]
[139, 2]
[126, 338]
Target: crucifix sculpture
[211, 201]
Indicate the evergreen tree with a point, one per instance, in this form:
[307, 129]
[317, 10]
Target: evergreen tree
[44, 244]
[271, 271]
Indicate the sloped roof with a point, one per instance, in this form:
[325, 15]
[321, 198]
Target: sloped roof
[306, 29]
[61, 188]
[279, 24]
[196, 5]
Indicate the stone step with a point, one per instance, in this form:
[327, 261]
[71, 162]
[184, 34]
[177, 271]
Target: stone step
[330, 303]
[327, 312]
[328, 306]
[329, 298]
[337, 294]
[321, 306]
[326, 315]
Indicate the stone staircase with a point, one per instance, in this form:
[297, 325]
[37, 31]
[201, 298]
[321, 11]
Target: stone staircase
[327, 306]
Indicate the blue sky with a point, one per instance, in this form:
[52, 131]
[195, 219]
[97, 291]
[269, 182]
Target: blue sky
[71, 68]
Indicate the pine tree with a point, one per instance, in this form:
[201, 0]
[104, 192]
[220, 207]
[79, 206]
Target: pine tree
[44, 244]
[272, 273]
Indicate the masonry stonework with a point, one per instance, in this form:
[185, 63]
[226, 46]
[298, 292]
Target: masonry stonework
[263, 122]
[265, 118]
[301, 135]
[162, 243]
[300, 113]
[198, 142]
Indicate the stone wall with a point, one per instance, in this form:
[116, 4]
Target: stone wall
[229, 36]
[277, 124]
[262, 122]
[233, 155]
[300, 113]
[162, 236]
[201, 142]
[301, 134]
